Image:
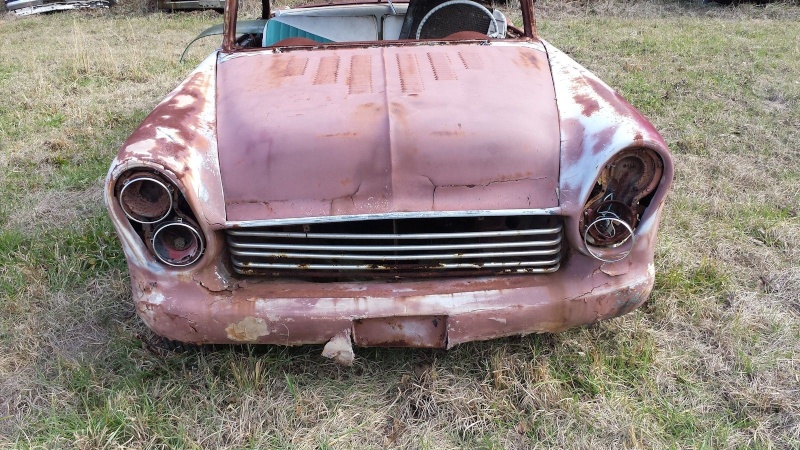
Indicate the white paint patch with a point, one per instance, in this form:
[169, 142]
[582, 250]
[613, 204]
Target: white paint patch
[170, 134]
[202, 193]
[248, 329]
[182, 101]
[156, 298]
[273, 317]
[143, 148]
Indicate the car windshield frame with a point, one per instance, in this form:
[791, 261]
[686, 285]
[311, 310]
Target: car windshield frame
[230, 45]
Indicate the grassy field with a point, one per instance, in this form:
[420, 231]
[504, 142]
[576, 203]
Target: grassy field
[711, 361]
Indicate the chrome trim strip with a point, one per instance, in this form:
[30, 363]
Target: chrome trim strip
[391, 248]
[554, 211]
[476, 234]
[414, 257]
[373, 267]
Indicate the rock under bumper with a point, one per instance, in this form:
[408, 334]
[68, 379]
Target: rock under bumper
[433, 313]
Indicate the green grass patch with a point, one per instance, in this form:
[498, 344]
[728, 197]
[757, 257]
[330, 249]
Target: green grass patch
[62, 258]
[705, 279]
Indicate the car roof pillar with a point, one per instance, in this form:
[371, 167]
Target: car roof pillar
[229, 25]
[265, 9]
[528, 19]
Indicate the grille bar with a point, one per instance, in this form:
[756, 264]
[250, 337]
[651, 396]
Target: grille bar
[400, 247]
[396, 257]
[393, 248]
[387, 268]
[272, 234]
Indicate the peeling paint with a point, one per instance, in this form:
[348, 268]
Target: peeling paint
[156, 298]
[248, 329]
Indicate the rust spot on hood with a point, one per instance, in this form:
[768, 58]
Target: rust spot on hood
[530, 59]
[346, 134]
[448, 133]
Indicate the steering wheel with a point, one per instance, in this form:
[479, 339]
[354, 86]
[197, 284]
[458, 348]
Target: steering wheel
[439, 9]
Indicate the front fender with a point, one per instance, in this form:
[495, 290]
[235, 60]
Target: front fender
[596, 123]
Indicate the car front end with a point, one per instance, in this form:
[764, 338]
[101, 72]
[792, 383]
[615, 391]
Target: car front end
[423, 193]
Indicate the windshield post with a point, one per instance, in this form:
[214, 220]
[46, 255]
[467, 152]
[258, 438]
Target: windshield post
[265, 9]
[229, 25]
[528, 21]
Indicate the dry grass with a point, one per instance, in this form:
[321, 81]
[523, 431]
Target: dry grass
[711, 361]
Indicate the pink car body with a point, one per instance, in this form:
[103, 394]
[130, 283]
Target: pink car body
[418, 192]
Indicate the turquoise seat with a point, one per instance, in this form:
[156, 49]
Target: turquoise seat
[276, 31]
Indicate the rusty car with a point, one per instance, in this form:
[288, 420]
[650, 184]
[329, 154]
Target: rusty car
[377, 173]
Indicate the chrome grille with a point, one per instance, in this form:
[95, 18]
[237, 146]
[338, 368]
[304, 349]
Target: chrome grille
[407, 247]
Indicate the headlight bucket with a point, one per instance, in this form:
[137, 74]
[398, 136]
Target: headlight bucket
[620, 196]
[161, 216]
[177, 244]
[144, 198]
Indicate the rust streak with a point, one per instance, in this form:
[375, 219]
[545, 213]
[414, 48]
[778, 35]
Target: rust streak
[588, 104]
[489, 183]
[448, 133]
[290, 67]
[346, 134]
[529, 59]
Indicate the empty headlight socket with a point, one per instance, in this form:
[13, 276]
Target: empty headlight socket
[622, 193]
[151, 201]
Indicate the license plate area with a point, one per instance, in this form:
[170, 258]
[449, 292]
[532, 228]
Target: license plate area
[407, 331]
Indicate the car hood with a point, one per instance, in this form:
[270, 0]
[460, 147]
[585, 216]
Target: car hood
[458, 127]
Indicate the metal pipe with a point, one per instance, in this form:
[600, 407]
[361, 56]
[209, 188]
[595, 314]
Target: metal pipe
[528, 21]
[229, 25]
[265, 9]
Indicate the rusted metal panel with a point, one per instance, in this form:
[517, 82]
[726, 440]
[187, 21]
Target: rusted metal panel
[180, 137]
[389, 135]
[401, 331]
[229, 25]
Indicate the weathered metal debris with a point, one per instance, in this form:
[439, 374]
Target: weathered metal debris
[31, 7]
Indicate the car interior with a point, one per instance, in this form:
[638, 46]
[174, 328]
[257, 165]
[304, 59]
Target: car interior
[460, 19]
[417, 19]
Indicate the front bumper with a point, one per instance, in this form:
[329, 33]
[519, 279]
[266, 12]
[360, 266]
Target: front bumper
[431, 313]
